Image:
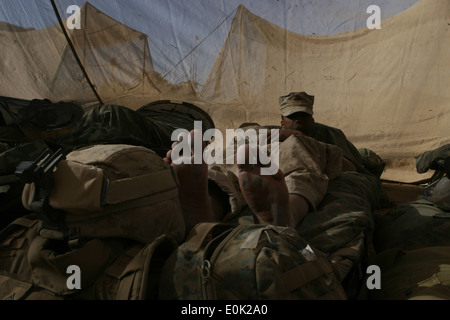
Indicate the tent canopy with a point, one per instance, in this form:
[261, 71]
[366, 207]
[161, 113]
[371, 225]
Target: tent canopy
[387, 88]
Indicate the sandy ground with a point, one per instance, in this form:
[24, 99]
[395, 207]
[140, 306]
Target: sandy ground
[403, 170]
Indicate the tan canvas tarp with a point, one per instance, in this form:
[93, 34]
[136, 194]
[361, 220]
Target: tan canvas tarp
[387, 89]
[38, 64]
[117, 60]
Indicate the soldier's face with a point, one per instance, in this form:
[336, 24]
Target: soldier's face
[299, 121]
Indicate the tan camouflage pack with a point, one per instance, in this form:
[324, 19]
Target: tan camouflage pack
[35, 268]
[109, 191]
[247, 262]
[114, 213]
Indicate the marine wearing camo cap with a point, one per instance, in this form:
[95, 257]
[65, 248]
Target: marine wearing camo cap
[296, 102]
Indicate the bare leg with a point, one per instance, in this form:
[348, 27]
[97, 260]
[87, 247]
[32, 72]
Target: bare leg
[299, 208]
[268, 196]
[193, 188]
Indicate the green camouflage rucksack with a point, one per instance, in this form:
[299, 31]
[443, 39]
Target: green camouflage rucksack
[248, 262]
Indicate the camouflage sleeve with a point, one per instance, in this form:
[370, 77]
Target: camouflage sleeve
[308, 166]
[337, 137]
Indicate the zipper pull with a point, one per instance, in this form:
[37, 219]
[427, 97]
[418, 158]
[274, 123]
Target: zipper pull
[206, 271]
[206, 275]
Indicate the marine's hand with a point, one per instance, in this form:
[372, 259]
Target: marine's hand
[286, 133]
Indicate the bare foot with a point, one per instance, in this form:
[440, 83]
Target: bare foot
[193, 180]
[267, 196]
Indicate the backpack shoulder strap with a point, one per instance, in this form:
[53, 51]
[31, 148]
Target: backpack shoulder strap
[140, 278]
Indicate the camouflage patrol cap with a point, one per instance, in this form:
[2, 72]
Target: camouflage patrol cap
[296, 102]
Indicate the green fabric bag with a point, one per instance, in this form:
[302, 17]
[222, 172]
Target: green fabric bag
[247, 262]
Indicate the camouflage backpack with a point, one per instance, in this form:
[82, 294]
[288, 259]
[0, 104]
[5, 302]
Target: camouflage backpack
[106, 209]
[108, 191]
[247, 262]
[33, 267]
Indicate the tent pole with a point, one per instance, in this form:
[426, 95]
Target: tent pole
[61, 23]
